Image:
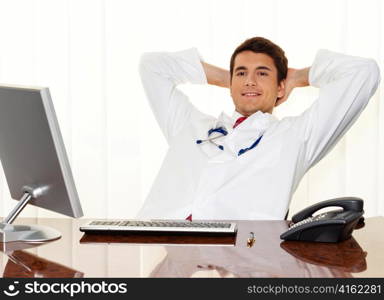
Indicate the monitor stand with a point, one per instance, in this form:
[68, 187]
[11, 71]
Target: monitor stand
[26, 233]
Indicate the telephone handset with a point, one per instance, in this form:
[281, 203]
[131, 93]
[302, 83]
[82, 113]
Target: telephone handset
[332, 226]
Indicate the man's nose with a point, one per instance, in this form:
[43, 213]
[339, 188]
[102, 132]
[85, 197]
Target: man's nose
[250, 81]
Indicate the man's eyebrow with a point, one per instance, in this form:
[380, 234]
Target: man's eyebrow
[240, 68]
[263, 68]
[258, 68]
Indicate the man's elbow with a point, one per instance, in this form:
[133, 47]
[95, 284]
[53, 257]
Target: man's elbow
[148, 62]
[373, 74]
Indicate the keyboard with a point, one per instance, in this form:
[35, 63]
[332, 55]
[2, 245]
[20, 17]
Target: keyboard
[161, 227]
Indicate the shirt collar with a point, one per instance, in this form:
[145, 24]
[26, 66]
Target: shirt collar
[259, 115]
[235, 116]
[258, 120]
[242, 137]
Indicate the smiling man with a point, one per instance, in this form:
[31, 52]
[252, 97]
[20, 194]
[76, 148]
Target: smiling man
[256, 80]
[247, 166]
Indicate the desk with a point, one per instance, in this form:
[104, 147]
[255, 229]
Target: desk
[361, 256]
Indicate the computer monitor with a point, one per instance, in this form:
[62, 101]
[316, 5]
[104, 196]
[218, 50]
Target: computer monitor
[34, 160]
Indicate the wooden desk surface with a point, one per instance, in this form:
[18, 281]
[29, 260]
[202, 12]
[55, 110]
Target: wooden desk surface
[110, 256]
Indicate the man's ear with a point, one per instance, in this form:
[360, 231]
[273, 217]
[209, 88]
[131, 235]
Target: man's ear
[281, 89]
[280, 92]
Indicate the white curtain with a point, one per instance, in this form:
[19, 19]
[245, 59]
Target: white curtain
[87, 53]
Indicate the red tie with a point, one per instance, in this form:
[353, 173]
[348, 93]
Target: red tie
[238, 121]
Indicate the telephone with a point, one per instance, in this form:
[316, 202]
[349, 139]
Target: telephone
[332, 226]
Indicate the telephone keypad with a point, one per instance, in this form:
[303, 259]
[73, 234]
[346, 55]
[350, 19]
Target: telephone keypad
[308, 220]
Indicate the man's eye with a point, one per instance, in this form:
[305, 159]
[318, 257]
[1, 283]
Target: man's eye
[240, 73]
[263, 73]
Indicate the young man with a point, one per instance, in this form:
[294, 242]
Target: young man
[247, 166]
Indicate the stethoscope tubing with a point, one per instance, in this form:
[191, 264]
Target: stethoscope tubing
[209, 139]
[224, 132]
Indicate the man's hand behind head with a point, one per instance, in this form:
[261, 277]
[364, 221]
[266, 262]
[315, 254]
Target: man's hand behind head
[295, 78]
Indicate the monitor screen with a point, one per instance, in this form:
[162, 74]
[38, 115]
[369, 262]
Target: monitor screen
[32, 151]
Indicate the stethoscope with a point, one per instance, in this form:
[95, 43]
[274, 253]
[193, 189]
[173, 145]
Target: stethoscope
[224, 132]
[221, 130]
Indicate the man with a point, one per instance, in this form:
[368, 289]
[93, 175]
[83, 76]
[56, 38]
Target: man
[247, 166]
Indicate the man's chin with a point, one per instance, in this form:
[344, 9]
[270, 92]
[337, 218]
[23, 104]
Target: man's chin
[248, 112]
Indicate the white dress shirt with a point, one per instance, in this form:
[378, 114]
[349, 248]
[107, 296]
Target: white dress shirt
[220, 184]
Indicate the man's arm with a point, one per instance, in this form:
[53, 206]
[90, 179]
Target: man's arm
[216, 76]
[295, 78]
[161, 73]
[346, 84]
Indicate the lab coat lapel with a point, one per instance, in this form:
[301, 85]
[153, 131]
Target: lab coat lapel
[213, 153]
[242, 137]
[249, 131]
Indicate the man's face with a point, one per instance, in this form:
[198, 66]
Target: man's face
[254, 83]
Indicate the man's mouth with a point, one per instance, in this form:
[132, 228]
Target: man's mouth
[250, 94]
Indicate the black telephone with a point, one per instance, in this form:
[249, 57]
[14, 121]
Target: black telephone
[333, 226]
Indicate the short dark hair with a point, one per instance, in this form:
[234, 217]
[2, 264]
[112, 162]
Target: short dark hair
[263, 45]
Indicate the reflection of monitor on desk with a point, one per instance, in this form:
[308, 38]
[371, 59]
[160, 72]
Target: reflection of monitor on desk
[34, 160]
[25, 264]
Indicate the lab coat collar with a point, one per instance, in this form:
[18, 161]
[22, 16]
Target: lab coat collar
[236, 115]
[258, 120]
[247, 132]
[242, 137]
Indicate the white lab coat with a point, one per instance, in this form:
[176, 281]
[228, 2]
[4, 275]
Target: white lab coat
[218, 184]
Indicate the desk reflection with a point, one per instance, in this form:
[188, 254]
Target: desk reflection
[24, 264]
[264, 258]
[347, 256]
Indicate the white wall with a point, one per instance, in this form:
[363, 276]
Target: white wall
[87, 52]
